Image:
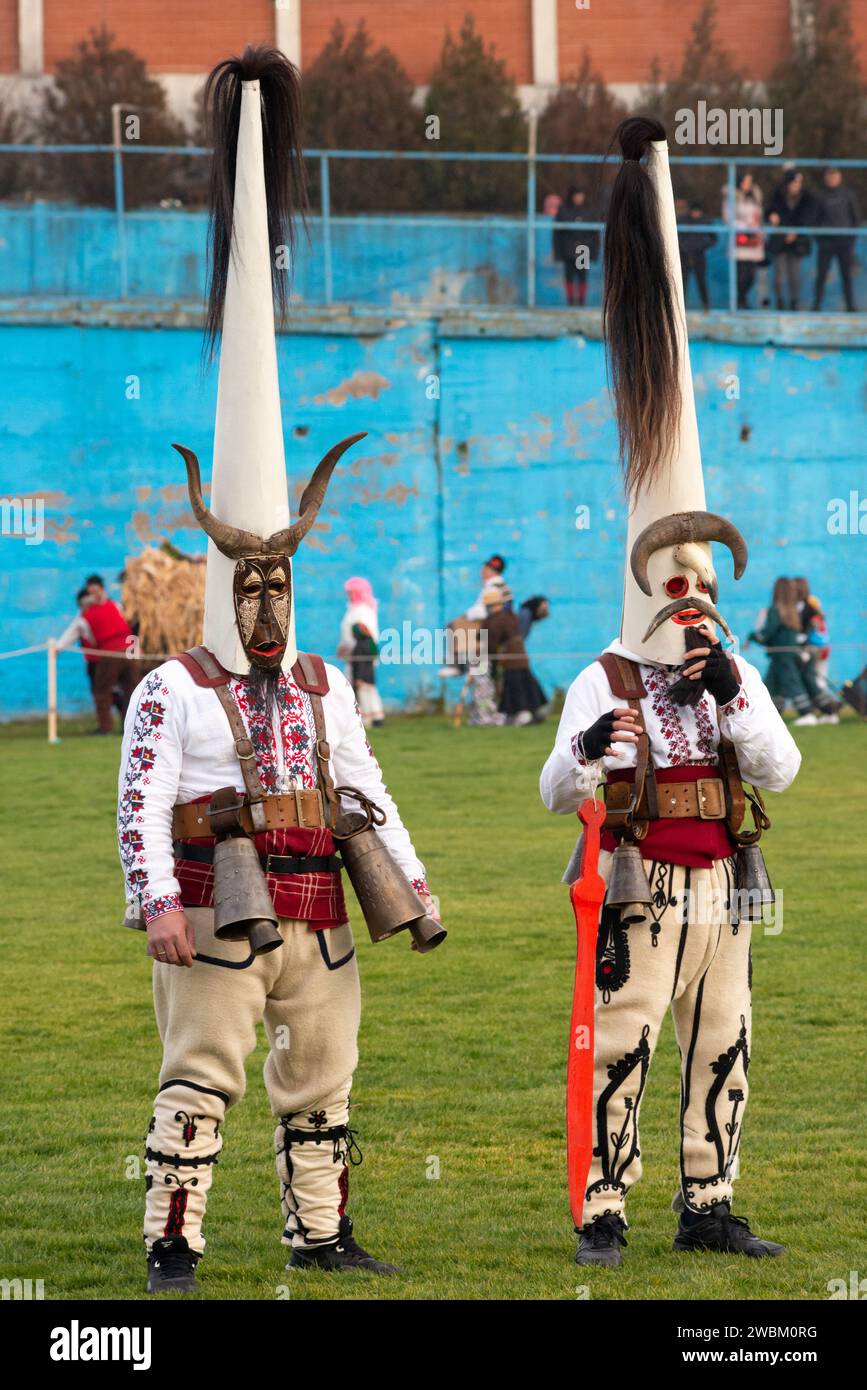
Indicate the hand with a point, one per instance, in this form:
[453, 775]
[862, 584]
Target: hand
[171, 939]
[431, 908]
[619, 725]
[711, 665]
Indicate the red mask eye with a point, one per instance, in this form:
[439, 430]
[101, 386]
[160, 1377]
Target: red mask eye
[701, 586]
[677, 586]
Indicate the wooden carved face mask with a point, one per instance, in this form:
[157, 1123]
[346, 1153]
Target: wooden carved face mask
[262, 591]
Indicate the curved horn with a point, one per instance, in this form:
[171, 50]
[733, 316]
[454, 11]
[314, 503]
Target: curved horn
[286, 542]
[677, 530]
[681, 605]
[229, 540]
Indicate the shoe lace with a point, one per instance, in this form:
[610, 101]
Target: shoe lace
[606, 1231]
[174, 1262]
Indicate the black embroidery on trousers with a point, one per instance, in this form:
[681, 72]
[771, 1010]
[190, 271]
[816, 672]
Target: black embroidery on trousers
[730, 907]
[612, 954]
[617, 1148]
[660, 878]
[177, 1204]
[684, 925]
[326, 954]
[750, 970]
[190, 1128]
[722, 1069]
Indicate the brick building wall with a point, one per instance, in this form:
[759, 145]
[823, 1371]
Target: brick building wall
[541, 40]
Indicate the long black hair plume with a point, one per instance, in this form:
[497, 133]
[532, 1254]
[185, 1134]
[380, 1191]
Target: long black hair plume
[638, 312]
[285, 183]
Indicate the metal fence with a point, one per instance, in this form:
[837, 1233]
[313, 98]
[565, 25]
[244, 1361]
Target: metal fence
[528, 226]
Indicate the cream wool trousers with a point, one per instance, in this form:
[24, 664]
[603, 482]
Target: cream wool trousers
[307, 993]
[690, 956]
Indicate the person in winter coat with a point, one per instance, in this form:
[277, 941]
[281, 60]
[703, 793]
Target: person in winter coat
[574, 246]
[694, 247]
[782, 633]
[790, 206]
[749, 238]
[838, 207]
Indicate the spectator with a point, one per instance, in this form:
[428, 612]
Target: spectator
[359, 648]
[694, 247]
[532, 610]
[575, 246]
[749, 239]
[790, 206]
[522, 699]
[111, 633]
[838, 207]
[782, 634]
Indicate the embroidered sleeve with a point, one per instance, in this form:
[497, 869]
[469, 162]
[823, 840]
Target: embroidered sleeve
[148, 785]
[355, 765]
[740, 703]
[568, 777]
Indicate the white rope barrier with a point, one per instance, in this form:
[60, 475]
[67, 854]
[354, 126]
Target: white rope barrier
[133, 654]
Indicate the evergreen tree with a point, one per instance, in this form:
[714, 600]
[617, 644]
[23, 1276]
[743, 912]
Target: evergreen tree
[819, 86]
[360, 98]
[476, 104]
[707, 73]
[76, 110]
[580, 118]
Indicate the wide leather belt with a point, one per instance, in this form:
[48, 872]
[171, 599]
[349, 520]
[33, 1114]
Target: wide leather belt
[701, 800]
[271, 863]
[288, 811]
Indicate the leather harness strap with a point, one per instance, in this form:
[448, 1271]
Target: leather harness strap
[644, 800]
[311, 675]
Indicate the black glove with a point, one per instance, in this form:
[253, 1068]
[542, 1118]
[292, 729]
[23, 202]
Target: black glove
[597, 738]
[719, 677]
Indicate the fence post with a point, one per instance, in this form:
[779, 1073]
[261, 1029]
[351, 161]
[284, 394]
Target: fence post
[325, 180]
[119, 210]
[732, 193]
[531, 210]
[52, 691]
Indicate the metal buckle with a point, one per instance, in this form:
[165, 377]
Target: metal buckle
[714, 794]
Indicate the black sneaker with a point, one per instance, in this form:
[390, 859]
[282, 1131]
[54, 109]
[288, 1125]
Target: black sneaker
[344, 1253]
[721, 1231]
[172, 1266]
[599, 1242]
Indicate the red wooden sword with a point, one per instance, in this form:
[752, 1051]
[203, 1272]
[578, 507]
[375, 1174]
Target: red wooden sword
[587, 893]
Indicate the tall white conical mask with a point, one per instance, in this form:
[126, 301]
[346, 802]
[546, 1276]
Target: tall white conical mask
[669, 583]
[248, 481]
[249, 594]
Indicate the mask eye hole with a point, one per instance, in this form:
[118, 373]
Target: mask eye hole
[677, 586]
[252, 588]
[701, 586]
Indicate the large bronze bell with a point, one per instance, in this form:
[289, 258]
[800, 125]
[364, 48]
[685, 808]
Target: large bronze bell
[755, 891]
[389, 904]
[628, 888]
[242, 904]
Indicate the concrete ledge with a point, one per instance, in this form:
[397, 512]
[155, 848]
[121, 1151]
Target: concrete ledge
[472, 321]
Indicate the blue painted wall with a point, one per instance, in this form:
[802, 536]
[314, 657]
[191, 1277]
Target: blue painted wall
[519, 436]
[51, 250]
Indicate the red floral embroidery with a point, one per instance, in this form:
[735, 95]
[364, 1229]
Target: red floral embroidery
[735, 706]
[576, 749]
[149, 718]
[705, 729]
[157, 907]
[297, 730]
[676, 741]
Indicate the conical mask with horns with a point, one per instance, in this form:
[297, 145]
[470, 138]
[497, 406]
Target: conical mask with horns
[670, 583]
[262, 581]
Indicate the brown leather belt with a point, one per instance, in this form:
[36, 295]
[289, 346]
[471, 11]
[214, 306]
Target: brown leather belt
[288, 811]
[702, 800]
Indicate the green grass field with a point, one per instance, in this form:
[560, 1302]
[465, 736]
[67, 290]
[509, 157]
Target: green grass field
[463, 1053]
